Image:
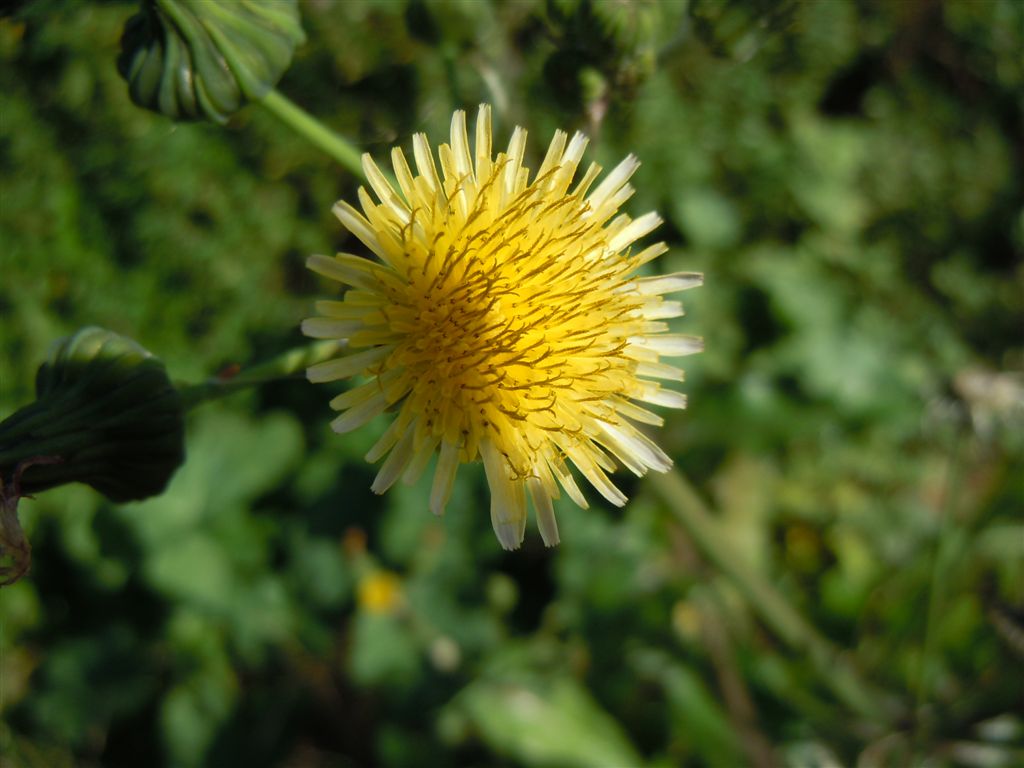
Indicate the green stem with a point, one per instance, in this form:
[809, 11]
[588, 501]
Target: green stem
[941, 557]
[316, 132]
[288, 365]
[773, 608]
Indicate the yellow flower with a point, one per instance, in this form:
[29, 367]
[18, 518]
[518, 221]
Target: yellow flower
[504, 319]
[379, 592]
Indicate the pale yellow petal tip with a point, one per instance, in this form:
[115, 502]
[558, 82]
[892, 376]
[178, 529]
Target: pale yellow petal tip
[684, 281]
[328, 328]
[548, 531]
[508, 535]
[320, 264]
[544, 510]
[483, 119]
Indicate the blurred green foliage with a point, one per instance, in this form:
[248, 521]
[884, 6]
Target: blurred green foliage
[849, 177]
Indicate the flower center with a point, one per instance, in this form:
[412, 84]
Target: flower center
[513, 338]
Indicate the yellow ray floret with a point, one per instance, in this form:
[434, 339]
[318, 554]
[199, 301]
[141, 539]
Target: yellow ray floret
[502, 319]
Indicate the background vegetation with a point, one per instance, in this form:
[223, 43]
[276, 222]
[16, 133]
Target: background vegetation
[849, 177]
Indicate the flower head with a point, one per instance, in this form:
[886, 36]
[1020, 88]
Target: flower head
[504, 319]
[379, 592]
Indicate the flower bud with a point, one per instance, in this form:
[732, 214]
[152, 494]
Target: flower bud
[105, 414]
[196, 59]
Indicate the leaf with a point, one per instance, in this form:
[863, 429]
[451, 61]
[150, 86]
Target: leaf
[557, 724]
[698, 717]
[383, 651]
[196, 708]
[708, 219]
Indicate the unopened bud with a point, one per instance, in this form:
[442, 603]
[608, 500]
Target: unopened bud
[108, 415]
[198, 59]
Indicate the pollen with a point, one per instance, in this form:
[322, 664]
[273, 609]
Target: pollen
[505, 320]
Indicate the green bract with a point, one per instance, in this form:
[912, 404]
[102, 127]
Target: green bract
[198, 59]
[105, 414]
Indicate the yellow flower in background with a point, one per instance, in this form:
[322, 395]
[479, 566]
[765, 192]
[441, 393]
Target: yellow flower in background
[504, 319]
[379, 592]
